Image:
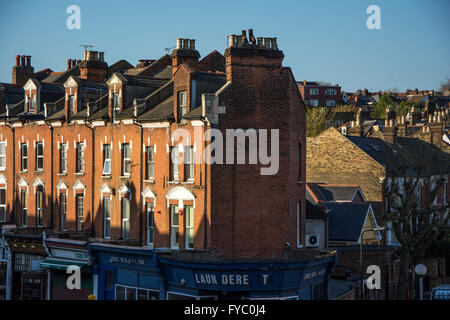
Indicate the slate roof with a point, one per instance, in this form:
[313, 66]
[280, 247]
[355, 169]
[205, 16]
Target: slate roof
[346, 220]
[163, 111]
[314, 212]
[332, 193]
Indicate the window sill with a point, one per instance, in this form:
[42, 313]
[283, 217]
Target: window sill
[189, 182]
[62, 174]
[105, 176]
[2, 169]
[79, 174]
[39, 171]
[23, 171]
[125, 177]
[149, 181]
[299, 182]
[173, 182]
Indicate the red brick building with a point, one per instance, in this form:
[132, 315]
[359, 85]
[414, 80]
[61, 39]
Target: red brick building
[320, 94]
[118, 154]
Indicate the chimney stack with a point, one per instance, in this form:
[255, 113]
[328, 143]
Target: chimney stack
[184, 53]
[93, 67]
[23, 70]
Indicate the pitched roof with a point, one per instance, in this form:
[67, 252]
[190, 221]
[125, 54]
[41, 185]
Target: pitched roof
[346, 220]
[163, 111]
[314, 212]
[335, 193]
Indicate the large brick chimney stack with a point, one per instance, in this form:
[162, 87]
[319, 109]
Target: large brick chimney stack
[93, 67]
[184, 53]
[23, 70]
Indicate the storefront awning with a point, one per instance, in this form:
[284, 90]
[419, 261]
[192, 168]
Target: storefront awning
[61, 264]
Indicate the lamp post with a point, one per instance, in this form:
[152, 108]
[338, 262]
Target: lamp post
[361, 253]
[420, 270]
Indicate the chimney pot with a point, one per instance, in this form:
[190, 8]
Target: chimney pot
[101, 56]
[85, 55]
[231, 40]
[274, 44]
[69, 64]
[17, 60]
[266, 42]
[28, 60]
[185, 43]
[179, 43]
[259, 42]
[192, 44]
[88, 55]
[22, 60]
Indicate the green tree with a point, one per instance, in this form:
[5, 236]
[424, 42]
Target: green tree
[379, 111]
[318, 119]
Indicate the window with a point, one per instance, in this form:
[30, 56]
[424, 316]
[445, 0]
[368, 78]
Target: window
[150, 224]
[189, 214]
[71, 105]
[188, 163]
[31, 105]
[79, 201]
[314, 91]
[24, 162]
[115, 102]
[130, 293]
[63, 158]
[314, 102]
[23, 201]
[174, 227]
[40, 206]
[331, 103]
[106, 159]
[181, 104]
[2, 155]
[107, 218]
[63, 207]
[80, 157]
[39, 156]
[126, 160]
[149, 163]
[174, 160]
[330, 92]
[3, 204]
[125, 218]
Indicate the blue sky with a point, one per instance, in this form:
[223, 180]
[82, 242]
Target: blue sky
[323, 40]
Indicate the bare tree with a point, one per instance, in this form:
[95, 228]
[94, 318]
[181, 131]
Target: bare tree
[416, 227]
[445, 85]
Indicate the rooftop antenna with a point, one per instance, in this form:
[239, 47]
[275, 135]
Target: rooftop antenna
[86, 46]
[168, 49]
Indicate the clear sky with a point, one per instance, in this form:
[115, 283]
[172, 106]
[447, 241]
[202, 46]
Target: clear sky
[323, 40]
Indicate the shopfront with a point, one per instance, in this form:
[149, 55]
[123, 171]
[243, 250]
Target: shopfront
[145, 274]
[65, 254]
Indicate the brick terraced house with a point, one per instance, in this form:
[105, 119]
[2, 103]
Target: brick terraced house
[112, 161]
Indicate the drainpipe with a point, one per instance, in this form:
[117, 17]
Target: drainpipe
[205, 210]
[141, 218]
[14, 170]
[92, 178]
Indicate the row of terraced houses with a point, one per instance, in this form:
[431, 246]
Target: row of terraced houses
[87, 179]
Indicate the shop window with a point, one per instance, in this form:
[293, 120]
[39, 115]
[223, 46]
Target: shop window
[174, 227]
[132, 293]
[189, 214]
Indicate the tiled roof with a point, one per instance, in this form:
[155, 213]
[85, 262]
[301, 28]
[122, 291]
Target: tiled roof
[161, 112]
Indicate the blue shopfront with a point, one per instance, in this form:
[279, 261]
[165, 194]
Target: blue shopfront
[144, 274]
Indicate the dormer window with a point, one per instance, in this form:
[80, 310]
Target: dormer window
[182, 97]
[115, 104]
[71, 105]
[31, 103]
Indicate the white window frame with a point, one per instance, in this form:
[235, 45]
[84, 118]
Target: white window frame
[313, 91]
[125, 219]
[3, 155]
[79, 221]
[174, 165]
[150, 209]
[173, 211]
[24, 158]
[189, 165]
[315, 104]
[63, 210]
[330, 92]
[149, 163]
[182, 104]
[39, 220]
[80, 158]
[3, 206]
[31, 104]
[71, 105]
[188, 227]
[24, 206]
[126, 160]
[331, 103]
[63, 158]
[39, 156]
[106, 159]
[115, 104]
[106, 218]
[135, 288]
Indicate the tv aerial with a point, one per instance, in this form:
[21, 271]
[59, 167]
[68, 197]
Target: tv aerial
[86, 46]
